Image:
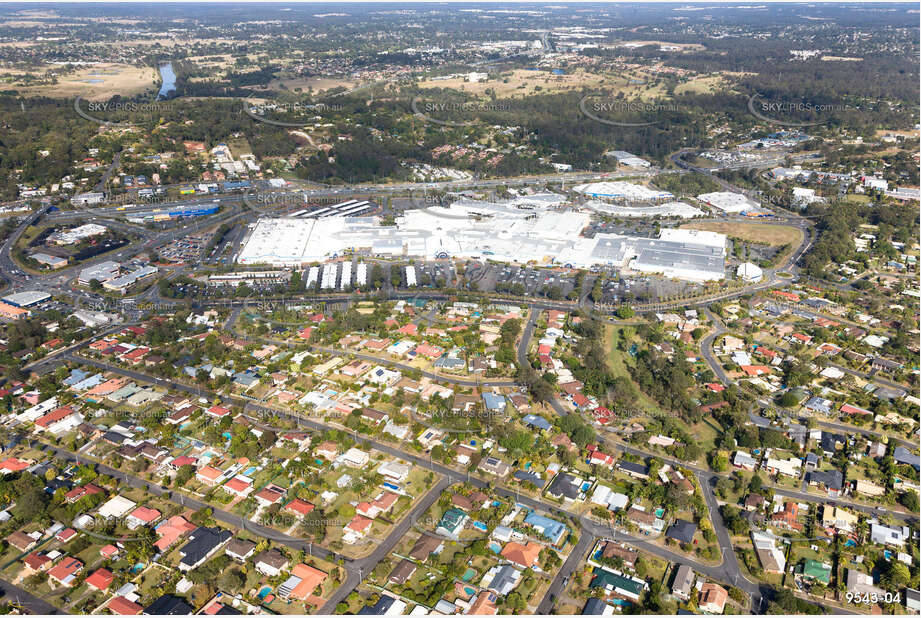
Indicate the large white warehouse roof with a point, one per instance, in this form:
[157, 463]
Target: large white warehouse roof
[621, 190]
[479, 230]
[727, 201]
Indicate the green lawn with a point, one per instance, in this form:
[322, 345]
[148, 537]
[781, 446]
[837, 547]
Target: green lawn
[618, 363]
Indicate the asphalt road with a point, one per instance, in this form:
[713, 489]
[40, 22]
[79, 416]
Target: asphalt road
[29, 603]
[726, 572]
[451, 474]
[181, 499]
[356, 569]
[706, 349]
[706, 346]
[575, 559]
[359, 569]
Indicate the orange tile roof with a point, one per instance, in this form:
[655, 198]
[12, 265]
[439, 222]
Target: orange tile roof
[310, 579]
[525, 555]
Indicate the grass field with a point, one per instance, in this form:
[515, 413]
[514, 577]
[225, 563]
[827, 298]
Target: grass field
[98, 82]
[771, 234]
[702, 85]
[520, 83]
[617, 363]
[316, 84]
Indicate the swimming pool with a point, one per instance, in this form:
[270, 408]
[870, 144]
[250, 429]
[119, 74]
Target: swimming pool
[480, 526]
[264, 592]
[468, 575]
[469, 591]
[659, 512]
[494, 547]
[250, 471]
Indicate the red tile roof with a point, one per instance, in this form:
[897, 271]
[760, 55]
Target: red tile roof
[101, 579]
[124, 607]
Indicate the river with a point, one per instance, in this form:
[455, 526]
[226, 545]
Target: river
[169, 80]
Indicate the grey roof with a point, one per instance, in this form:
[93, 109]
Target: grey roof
[449, 362]
[246, 378]
[887, 393]
[271, 557]
[830, 441]
[402, 571]
[635, 468]
[505, 580]
[378, 609]
[684, 579]
[682, 531]
[819, 404]
[594, 607]
[169, 605]
[239, 547]
[564, 485]
[76, 375]
[202, 542]
[832, 479]
[903, 456]
[669, 254]
[536, 421]
[101, 271]
[523, 475]
[493, 401]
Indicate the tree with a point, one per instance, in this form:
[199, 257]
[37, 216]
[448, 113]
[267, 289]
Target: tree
[625, 312]
[909, 500]
[233, 579]
[895, 576]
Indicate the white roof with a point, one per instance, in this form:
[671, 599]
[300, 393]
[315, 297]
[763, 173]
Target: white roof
[749, 271]
[27, 298]
[620, 189]
[728, 201]
[117, 506]
[695, 237]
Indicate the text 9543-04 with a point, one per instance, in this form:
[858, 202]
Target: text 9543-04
[868, 598]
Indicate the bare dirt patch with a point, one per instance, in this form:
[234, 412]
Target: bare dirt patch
[764, 233]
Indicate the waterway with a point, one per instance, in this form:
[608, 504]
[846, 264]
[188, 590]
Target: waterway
[168, 75]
